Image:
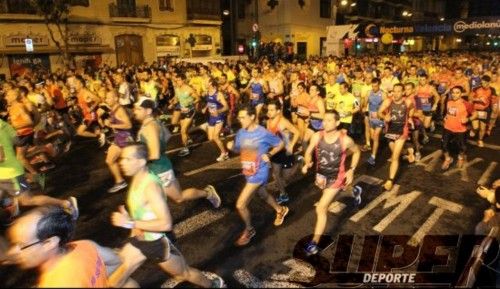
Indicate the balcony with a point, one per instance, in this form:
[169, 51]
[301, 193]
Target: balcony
[203, 11]
[139, 13]
[17, 10]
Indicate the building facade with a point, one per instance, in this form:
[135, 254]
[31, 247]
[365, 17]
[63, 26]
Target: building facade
[109, 32]
[300, 22]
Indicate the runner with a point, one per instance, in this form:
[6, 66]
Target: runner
[120, 123]
[284, 160]
[482, 99]
[426, 103]
[346, 105]
[331, 146]
[41, 239]
[253, 143]
[14, 190]
[184, 101]
[458, 113]
[257, 88]
[149, 217]
[232, 98]
[375, 98]
[217, 108]
[411, 96]
[397, 114]
[155, 138]
[88, 102]
[315, 113]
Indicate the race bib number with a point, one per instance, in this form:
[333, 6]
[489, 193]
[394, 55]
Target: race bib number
[249, 162]
[452, 111]
[254, 96]
[212, 109]
[392, 136]
[373, 115]
[320, 181]
[301, 110]
[481, 114]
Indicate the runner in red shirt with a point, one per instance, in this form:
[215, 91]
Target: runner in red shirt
[482, 98]
[458, 113]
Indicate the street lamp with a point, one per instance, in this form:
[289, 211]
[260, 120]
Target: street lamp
[225, 12]
[405, 13]
[343, 2]
[441, 19]
[353, 4]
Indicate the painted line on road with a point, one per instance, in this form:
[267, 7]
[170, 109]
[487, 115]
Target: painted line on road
[485, 177]
[490, 146]
[199, 221]
[248, 280]
[232, 163]
[196, 144]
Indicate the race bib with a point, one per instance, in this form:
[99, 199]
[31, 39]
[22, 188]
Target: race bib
[320, 181]
[254, 96]
[481, 114]
[302, 110]
[392, 136]
[452, 111]
[249, 162]
[212, 109]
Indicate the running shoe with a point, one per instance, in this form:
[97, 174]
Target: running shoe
[118, 187]
[217, 282]
[425, 140]
[311, 248]
[366, 148]
[223, 157]
[446, 164]
[282, 198]
[189, 141]
[371, 160]
[356, 193]
[460, 162]
[67, 147]
[280, 216]
[74, 211]
[102, 139]
[213, 197]
[245, 237]
[418, 156]
[184, 152]
[175, 130]
[480, 143]
[433, 127]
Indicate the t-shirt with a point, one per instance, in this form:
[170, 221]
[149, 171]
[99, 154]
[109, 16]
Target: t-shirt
[252, 145]
[345, 105]
[456, 112]
[81, 266]
[10, 167]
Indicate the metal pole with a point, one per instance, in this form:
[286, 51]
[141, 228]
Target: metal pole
[256, 16]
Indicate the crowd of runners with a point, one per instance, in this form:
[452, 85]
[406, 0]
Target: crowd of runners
[285, 117]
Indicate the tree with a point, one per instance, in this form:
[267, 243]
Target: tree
[56, 12]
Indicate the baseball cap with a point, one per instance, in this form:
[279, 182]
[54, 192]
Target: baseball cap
[146, 102]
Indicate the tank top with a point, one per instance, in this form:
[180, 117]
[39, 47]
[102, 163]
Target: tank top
[212, 103]
[424, 95]
[399, 118]
[375, 100]
[121, 135]
[162, 164]
[141, 211]
[257, 90]
[331, 157]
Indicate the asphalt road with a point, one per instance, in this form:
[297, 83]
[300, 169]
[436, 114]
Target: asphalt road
[425, 201]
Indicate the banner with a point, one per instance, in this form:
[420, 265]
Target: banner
[25, 65]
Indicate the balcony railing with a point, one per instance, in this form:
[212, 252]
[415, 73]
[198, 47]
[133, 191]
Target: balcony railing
[203, 10]
[139, 11]
[16, 7]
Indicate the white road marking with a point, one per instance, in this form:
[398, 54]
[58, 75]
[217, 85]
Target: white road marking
[195, 144]
[442, 206]
[485, 177]
[299, 272]
[430, 161]
[463, 169]
[199, 221]
[171, 283]
[232, 163]
[248, 280]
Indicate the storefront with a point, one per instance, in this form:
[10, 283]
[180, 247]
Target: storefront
[87, 48]
[203, 45]
[167, 46]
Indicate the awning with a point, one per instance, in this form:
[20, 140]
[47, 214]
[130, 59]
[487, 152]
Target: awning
[54, 50]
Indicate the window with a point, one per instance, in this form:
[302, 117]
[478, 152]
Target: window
[325, 8]
[166, 5]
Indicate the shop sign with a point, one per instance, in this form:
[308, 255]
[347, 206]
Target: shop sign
[25, 65]
[86, 38]
[18, 40]
[168, 45]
